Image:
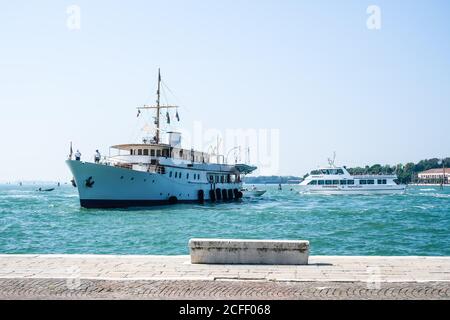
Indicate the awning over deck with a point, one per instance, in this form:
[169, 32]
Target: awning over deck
[139, 146]
[244, 168]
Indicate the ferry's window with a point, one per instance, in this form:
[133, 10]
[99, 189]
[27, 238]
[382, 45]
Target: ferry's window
[362, 181]
[181, 153]
[158, 153]
[152, 152]
[139, 152]
[164, 153]
[335, 181]
[321, 182]
[145, 152]
[131, 152]
[179, 175]
[370, 181]
[350, 181]
[340, 171]
[379, 181]
[384, 181]
[343, 181]
[217, 179]
[396, 181]
[313, 183]
[187, 175]
[328, 182]
[170, 174]
[222, 179]
[211, 178]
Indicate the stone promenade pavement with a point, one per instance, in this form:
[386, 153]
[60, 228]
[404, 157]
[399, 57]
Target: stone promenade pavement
[174, 277]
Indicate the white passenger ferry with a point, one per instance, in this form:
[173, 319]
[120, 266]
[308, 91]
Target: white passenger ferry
[337, 180]
[156, 173]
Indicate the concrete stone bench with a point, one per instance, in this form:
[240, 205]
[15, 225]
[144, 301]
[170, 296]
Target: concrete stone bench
[238, 251]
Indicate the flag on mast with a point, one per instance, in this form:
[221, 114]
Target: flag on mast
[71, 151]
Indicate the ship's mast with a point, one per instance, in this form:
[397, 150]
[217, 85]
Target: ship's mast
[158, 107]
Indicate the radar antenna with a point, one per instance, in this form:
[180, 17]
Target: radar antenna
[331, 161]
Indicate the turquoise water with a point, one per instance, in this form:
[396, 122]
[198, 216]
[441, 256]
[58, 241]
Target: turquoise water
[416, 223]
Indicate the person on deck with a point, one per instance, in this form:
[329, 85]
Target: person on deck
[97, 156]
[78, 155]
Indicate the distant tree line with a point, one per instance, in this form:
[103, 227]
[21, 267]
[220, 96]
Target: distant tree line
[406, 173]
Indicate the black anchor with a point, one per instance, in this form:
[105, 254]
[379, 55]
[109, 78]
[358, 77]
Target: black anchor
[89, 182]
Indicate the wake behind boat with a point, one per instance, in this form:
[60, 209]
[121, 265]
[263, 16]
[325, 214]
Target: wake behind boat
[337, 180]
[156, 173]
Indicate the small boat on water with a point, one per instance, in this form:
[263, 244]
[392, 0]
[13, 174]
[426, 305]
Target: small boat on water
[253, 192]
[337, 180]
[45, 190]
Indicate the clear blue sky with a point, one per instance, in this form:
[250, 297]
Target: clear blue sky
[311, 69]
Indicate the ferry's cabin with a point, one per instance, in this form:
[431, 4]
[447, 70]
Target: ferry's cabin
[348, 182]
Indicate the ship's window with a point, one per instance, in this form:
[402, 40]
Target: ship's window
[145, 152]
[328, 182]
[158, 153]
[211, 178]
[152, 152]
[139, 152]
[396, 181]
[170, 174]
[362, 181]
[222, 179]
[321, 182]
[335, 181]
[343, 182]
[176, 174]
[217, 179]
[384, 181]
[313, 183]
[340, 171]
[187, 175]
[350, 181]
[165, 153]
[131, 152]
[181, 153]
[370, 181]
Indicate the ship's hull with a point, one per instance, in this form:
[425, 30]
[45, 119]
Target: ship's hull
[382, 190]
[103, 186]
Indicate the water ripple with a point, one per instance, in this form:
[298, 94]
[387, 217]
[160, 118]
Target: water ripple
[417, 223]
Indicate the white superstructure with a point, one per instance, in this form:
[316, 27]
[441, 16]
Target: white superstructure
[156, 173]
[337, 180]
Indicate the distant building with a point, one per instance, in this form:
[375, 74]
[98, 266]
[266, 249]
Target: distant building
[434, 175]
